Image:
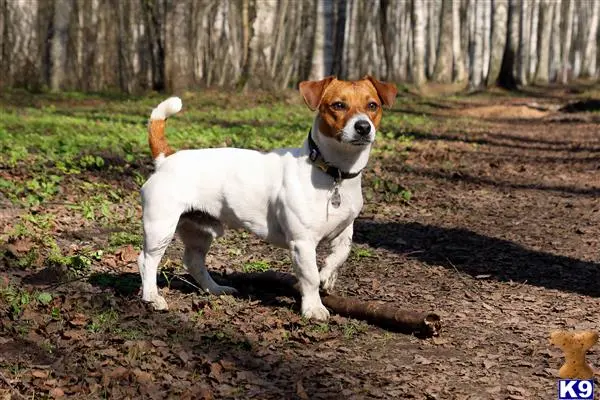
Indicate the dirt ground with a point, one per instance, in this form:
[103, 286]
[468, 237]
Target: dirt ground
[501, 237]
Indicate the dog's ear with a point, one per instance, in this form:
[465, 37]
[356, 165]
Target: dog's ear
[387, 91]
[312, 91]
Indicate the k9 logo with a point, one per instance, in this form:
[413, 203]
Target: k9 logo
[575, 389]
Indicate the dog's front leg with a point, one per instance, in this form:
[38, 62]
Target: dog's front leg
[304, 260]
[338, 253]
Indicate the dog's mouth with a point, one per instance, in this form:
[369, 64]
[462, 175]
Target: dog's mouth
[360, 142]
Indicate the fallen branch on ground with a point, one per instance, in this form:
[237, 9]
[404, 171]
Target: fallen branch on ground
[382, 314]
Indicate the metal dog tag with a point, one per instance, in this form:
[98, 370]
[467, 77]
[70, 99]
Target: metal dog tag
[336, 199]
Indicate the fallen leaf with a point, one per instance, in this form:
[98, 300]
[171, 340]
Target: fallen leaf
[78, 320]
[127, 254]
[73, 334]
[20, 246]
[40, 374]
[57, 392]
[118, 373]
[159, 343]
[142, 376]
[419, 359]
[300, 392]
[215, 372]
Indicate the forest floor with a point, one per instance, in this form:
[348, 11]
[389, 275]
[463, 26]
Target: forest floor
[483, 208]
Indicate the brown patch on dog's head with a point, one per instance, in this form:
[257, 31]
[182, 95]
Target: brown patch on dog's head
[338, 101]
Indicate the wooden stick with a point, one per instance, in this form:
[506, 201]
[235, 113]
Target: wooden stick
[385, 315]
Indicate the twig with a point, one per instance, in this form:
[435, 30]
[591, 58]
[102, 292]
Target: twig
[12, 388]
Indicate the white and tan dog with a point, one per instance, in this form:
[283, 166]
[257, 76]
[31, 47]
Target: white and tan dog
[293, 198]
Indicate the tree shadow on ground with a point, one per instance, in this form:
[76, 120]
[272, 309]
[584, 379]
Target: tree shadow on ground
[504, 140]
[475, 254]
[455, 176]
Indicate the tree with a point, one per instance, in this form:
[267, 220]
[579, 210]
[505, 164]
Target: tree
[418, 22]
[62, 11]
[443, 65]
[524, 39]
[555, 43]
[498, 41]
[460, 74]
[591, 44]
[567, 38]
[477, 71]
[546, 17]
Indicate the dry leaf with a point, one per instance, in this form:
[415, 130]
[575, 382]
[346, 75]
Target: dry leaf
[215, 372]
[127, 254]
[57, 392]
[159, 343]
[40, 374]
[300, 392]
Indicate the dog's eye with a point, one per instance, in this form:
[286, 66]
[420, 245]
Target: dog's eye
[338, 106]
[372, 106]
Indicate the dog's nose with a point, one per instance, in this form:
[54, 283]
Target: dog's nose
[362, 127]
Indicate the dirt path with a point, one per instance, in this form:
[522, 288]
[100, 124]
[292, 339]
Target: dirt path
[501, 237]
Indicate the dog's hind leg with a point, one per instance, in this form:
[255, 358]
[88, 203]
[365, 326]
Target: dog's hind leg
[197, 238]
[157, 236]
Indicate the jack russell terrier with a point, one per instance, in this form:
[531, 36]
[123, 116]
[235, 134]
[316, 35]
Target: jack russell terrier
[294, 198]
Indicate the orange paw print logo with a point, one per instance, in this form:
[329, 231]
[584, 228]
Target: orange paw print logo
[574, 346]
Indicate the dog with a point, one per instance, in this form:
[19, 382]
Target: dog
[294, 198]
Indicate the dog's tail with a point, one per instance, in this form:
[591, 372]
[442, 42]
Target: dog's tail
[156, 129]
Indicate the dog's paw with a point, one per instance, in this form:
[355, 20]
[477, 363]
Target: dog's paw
[316, 312]
[221, 290]
[328, 282]
[158, 303]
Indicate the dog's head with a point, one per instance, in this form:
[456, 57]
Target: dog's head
[349, 111]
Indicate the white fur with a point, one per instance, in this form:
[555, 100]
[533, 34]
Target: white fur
[164, 110]
[280, 196]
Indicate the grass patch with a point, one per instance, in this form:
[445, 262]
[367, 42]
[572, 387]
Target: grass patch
[256, 266]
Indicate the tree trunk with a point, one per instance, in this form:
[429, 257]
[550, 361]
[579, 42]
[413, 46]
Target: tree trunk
[546, 17]
[566, 48]
[418, 22]
[487, 35]
[460, 74]
[498, 42]
[533, 41]
[432, 23]
[524, 40]
[443, 65]
[555, 55]
[477, 72]
[62, 11]
[591, 44]
[508, 71]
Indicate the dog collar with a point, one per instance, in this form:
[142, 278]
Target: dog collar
[317, 158]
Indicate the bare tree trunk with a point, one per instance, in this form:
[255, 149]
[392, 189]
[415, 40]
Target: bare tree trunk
[418, 22]
[555, 55]
[487, 35]
[460, 74]
[524, 40]
[591, 44]
[567, 38]
[533, 41]
[477, 71]
[432, 23]
[62, 10]
[509, 68]
[178, 60]
[443, 66]
[498, 40]
[577, 41]
[546, 17]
